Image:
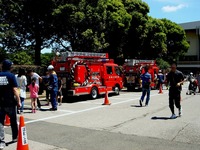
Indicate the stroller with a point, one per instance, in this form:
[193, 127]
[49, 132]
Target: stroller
[192, 87]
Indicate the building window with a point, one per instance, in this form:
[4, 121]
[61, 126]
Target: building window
[189, 58]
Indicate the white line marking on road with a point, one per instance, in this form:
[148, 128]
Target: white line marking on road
[85, 110]
[68, 111]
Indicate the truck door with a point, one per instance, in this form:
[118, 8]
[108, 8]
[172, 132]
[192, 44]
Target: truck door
[118, 76]
[109, 79]
[112, 76]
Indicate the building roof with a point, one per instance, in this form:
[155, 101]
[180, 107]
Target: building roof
[190, 25]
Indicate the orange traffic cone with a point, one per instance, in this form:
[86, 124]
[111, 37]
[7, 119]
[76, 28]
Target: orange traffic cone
[160, 89]
[106, 101]
[22, 141]
[7, 121]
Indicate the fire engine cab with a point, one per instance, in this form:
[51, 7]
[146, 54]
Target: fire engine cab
[85, 73]
[133, 68]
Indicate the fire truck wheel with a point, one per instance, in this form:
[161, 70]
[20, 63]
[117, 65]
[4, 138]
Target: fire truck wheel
[94, 93]
[116, 90]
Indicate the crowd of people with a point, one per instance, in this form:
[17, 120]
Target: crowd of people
[13, 94]
[49, 82]
[174, 81]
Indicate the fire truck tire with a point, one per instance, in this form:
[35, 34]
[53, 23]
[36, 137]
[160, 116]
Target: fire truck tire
[116, 90]
[94, 93]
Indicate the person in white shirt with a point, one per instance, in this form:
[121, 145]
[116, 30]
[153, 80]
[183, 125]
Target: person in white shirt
[22, 82]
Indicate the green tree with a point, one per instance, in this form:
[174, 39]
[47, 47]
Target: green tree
[176, 42]
[7, 33]
[117, 23]
[120, 27]
[93, 25]
[76, 22]
[155, 41]
[21, 58]
[30, 24]
[46, 59]
[162, 63]
[137, 32]
[3, 55]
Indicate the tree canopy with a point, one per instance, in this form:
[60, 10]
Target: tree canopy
[122, 28]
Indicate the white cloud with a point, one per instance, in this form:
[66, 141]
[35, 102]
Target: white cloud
[170, 8]
[170, 1]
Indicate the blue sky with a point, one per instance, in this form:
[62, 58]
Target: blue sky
[179, 11]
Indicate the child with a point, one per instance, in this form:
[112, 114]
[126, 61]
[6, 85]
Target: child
[34, 88]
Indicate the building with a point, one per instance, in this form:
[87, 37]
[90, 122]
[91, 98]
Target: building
[191, 61]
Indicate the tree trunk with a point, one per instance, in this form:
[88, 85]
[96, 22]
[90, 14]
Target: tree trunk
[38, 45]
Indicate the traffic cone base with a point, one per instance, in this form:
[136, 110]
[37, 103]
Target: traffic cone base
[22, 142]
[106, 101]
[7, 121]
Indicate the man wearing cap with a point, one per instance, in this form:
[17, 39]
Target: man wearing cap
[9, 99]
[53, 87]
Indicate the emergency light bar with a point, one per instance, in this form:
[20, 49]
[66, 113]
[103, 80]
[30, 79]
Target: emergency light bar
[103, 60]
[136, 61]
[84, 54]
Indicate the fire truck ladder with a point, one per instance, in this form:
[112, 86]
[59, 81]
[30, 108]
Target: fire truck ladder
[137, 61]
[65, 55]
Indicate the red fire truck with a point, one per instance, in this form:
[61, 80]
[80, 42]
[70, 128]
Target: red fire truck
[133, 68]
[85, 73]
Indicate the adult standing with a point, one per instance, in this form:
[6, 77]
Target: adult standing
[191, 80]
[45, 80]
[33, 74]
[53, 87]
[22, 82]
[59, 95]
[160, 79]
[8, 103]
[146, 81]
[175, 80]
[198, 80]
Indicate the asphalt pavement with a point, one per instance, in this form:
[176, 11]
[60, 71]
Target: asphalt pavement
[89, 125]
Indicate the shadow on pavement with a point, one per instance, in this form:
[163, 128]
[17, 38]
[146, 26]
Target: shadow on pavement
[136, 106]
[160, 118]
[45, 109]
[11, 142]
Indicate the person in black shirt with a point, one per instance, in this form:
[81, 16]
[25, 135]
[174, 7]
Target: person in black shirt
[175, 80]
[9, 99]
